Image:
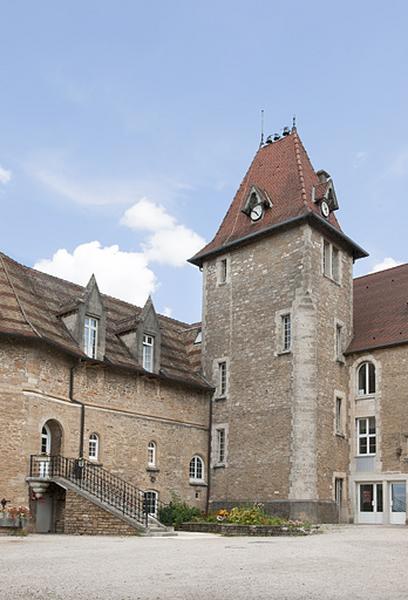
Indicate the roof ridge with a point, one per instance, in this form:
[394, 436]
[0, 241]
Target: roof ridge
[28, 270]
[382, 271]
[18, 300]
[298, 159]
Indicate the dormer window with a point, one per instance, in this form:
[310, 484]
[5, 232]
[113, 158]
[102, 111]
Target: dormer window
[91, 336]
[256, 203]
[148, 352]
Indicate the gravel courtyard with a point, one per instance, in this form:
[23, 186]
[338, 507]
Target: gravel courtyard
[346, 562]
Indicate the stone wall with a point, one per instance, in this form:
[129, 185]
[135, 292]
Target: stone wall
[82, 517]
[280, 406]
[126, 410]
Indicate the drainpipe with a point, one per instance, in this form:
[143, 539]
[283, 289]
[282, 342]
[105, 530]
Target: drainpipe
[207, 504]
[82, 414]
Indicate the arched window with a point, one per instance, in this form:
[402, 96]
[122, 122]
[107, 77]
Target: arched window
[150, 502]
[45, 440]
[93, 446]
[366, 379]
[151, 454]
[196, 469]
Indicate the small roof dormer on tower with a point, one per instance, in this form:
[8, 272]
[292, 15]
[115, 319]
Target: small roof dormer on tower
[289, 191]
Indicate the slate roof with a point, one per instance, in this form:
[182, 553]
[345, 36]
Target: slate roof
[283, 172]
[380, 309]
[31, 302]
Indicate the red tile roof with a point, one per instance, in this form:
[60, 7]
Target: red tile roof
[380, 309]
[283, 172]
[31, 302]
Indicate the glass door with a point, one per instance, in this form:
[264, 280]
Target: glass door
[370, 499]
[398, 503]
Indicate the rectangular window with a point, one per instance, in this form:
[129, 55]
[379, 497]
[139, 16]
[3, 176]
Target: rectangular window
[366, 436]
[148, 351]
[223, 270]
[222, 378]
[339, 416]
[91, 336]
[335, 264]
[326, 259]
[286, 332]
[221, 445]
[339, 342]
[338, 491]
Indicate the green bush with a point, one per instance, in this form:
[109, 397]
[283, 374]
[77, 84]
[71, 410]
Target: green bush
[177, 512]
[252, 515]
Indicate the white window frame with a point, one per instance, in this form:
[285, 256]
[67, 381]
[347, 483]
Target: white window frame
[331, 261]
[221, 445]
[360, 392]
[286, 332]
[195, 467]
[222, 266]
[148, 352]
[93, 446]
[91, 326]
[151, 453]
[367, 435]
[45, 440]
[222, 378]
[148, 494]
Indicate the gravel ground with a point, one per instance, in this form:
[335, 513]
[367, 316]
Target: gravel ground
[350, 562]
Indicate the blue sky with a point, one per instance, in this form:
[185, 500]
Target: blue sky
[116, 116]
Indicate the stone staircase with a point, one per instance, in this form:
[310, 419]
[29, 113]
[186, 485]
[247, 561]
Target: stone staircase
[98, 487]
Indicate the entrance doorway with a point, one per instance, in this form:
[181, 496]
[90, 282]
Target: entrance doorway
[371, 503]
[398, 503]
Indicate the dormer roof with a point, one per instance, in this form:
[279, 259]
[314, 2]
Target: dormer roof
[282, 171]
[30, 302]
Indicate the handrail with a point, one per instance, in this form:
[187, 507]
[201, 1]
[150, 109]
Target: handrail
[97, 481]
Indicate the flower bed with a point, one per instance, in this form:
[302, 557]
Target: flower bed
[247, 520]
[232, 529]
[13, 519]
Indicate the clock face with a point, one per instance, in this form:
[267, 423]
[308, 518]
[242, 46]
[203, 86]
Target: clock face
[256, 212]
[324, 207]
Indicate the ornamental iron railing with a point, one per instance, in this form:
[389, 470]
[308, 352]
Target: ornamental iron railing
[108, 488]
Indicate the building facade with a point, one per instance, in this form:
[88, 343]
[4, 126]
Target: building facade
[291, 392]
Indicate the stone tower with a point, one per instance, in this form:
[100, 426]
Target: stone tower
[277, 317]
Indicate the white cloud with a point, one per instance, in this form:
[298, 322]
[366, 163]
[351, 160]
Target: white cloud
[387, 263]
[147, 215]
[5, 175]
[125, 275]
[399, 166]
[169, 243]
[173, 246]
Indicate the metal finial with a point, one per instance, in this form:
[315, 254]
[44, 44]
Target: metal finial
[262, 127]
[294, 122]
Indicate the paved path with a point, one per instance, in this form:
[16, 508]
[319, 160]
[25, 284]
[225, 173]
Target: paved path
[348, 562]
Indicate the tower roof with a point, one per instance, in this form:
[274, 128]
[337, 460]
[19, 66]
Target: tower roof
[282, 172]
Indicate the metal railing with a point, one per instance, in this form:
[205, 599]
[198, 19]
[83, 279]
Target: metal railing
[98, 482]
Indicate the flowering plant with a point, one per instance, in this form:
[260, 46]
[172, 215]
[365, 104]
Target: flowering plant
[222, 514]
[15, 512]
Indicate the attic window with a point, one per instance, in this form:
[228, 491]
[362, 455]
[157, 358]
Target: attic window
[90, 336]
[199, 337]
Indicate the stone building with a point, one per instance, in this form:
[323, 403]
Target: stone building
[291, 392]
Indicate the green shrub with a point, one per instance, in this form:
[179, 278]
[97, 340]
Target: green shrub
[177, 512]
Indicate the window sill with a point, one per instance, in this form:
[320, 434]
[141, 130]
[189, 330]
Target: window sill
[331, 279]
[366, 397]
[341, 361]
[152, 469]
[340, 435]
[198, 483]
[219, 466]
[221, 283]
[365, 455]
[283, 352]
[217, 398]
